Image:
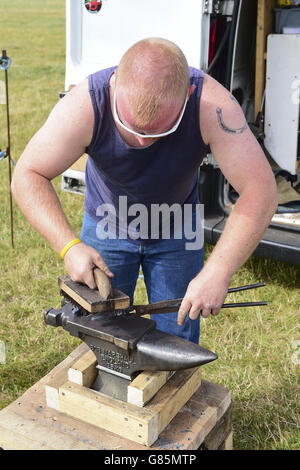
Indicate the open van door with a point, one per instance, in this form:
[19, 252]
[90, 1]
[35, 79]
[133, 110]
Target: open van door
[96, 38]
[282, 99]
[99, 32]
[260, 66]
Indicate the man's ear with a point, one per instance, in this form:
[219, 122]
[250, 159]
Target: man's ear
[191, 90]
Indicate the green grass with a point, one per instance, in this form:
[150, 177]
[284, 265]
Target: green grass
[255, 346]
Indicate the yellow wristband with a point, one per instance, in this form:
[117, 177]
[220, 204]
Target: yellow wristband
[68, 246]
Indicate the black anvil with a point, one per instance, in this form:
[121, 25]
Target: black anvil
[123, 342]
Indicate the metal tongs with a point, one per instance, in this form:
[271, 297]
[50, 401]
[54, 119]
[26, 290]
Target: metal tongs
[169, 306]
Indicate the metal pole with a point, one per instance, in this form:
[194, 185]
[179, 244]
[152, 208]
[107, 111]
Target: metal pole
[8, 153]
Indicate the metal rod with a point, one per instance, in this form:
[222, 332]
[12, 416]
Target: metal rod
[249, 286]
[168, 305]
[244, 304]
[174, 308]
[8, 154]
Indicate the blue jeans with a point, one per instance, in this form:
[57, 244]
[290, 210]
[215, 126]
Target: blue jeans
[167, 268]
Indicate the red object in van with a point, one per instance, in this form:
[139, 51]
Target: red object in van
[94, 5]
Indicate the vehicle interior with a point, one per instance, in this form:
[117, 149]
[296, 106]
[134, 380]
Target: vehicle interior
[254, 52]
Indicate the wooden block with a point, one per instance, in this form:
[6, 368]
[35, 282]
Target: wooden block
[146, 385]
[84, 372]
[90, 299]
[59, 376]
[141, 425]
[174, 395]
[52, 388]
[218, 435]
[228, 443]
[107, 413]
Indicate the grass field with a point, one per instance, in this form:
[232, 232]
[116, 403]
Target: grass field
[256, 347]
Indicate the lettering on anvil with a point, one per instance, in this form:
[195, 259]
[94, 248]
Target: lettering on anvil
[112, 359]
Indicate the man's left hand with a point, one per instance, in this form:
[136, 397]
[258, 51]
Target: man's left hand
[205, 294]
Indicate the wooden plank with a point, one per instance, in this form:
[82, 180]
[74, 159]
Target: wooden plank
[11, 440]
[24, 429]
[83, 371]
[265, 26]
[90, 299]
[218, 435]
[228, 443]
[56, 378]
[174, 395]
[190, 427]
[146, 385]
[195, 425]
[124, 419]
[216, 397]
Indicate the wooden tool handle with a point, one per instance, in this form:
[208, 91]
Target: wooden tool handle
[103, 283]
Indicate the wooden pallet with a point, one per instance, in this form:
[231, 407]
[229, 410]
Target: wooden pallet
[28, 423]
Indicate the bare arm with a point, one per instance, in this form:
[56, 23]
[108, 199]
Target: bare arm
[54, 148]
[244, 165]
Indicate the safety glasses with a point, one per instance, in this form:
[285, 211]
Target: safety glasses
[147, 136]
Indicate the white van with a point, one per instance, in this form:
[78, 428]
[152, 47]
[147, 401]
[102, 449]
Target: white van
[252, 47]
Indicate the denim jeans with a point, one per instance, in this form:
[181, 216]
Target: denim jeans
[167, 268]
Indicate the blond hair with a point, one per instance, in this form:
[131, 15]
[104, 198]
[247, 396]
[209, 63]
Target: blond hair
[152, 72]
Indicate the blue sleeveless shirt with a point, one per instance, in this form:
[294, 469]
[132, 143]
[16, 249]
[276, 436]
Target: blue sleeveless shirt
[166, 172]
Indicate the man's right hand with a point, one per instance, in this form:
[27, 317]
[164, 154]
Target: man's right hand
[80, 260]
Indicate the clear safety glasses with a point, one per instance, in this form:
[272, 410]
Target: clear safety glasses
[147, 136]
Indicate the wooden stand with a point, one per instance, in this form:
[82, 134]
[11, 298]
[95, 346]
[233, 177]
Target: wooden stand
[180, 415]
[133, 420]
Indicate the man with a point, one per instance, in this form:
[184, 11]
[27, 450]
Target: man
[146, 126]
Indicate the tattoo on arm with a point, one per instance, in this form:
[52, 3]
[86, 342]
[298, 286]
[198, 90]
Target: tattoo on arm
[225, 127]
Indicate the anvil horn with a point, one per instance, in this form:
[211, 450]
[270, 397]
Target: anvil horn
[161, 351]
